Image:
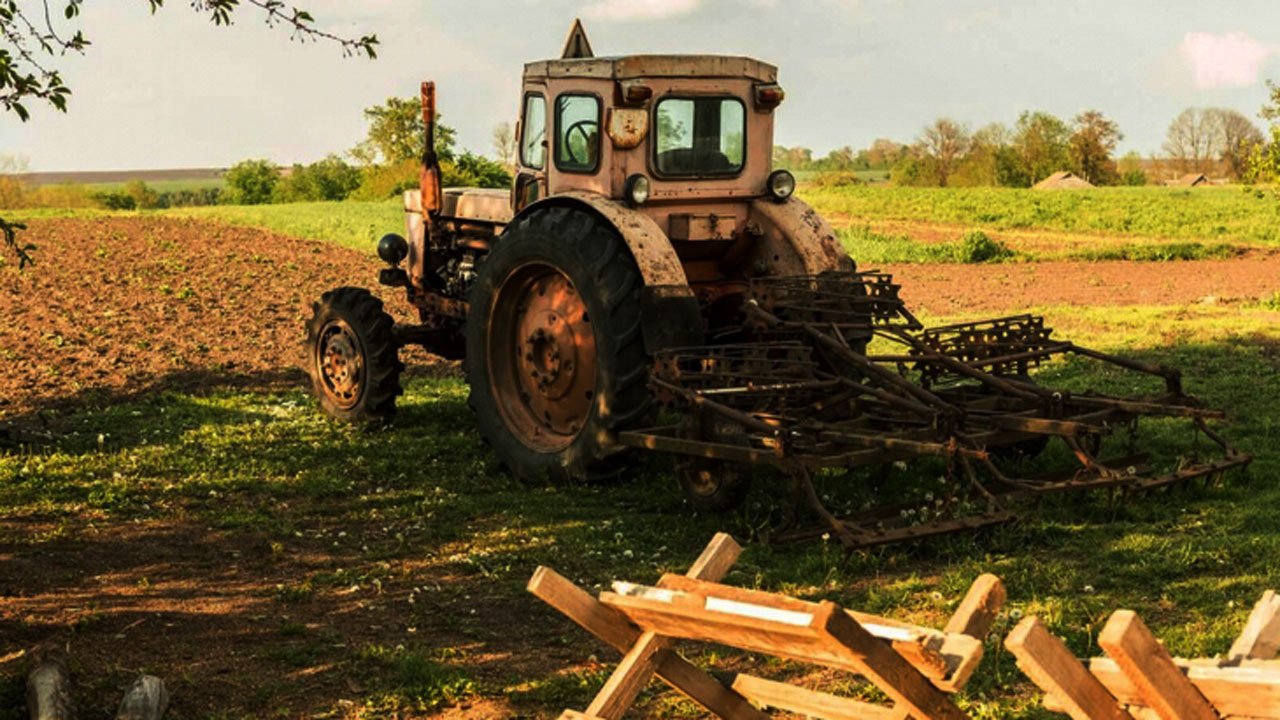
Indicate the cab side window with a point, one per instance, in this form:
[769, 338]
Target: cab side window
[577, 133]
[533, 133]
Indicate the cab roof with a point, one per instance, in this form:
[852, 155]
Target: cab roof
[629, 67]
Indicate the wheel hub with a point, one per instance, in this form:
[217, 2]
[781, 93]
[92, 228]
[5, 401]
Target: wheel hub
[542, 356]
[341, 363]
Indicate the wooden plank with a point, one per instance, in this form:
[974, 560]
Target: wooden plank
[146, 699]
[880, 664]
[1142, 659]
[947, 659]
[1260, 639]
[810, 703]
[638, 665]
[1252, 690]
[633, 672]
[613, 629]
[1055, 670]
[575, 715]
[978, 610]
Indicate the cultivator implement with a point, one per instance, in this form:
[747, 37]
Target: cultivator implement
[843, 376]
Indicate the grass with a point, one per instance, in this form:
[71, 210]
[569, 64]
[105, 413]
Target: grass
[423, 504]
[157, 185]
[352, 224]
[1219, 214]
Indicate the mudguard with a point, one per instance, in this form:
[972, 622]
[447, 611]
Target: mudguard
[795, 240]
[670, 315]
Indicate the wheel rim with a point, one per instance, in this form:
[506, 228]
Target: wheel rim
[542, 357]
[341, 363]
[704, 479]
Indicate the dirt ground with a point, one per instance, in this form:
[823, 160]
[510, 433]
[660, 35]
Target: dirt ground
[138, 305]
[1009, 287]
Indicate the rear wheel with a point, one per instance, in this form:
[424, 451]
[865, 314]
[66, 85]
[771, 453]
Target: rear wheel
[555, 358]
[353, 357]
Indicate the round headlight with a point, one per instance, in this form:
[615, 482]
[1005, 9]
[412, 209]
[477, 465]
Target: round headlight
[637, 190]
[782, 184]
[392, 249]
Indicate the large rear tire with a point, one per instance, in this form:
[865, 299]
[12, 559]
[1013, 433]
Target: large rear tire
[555, 357]
[352, 356]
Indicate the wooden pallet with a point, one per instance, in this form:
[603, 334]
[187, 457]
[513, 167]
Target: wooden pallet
[1139, 679]
[916, 667]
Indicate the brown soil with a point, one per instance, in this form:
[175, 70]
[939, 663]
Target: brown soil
[135, 304]
[1011, 287]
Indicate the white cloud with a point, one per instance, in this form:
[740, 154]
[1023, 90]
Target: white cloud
[640, 9]
[1224, 61]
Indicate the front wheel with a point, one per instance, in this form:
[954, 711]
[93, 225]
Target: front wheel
[555, 357]
[352, 356]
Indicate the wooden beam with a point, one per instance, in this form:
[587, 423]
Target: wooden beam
[949, 659]
[1055, 670]
[883, 666]
[978, 610]
[638, 665]
[809, 703]
[1260, 639]
[1251, 690]
[1146, 663]
[610, 627]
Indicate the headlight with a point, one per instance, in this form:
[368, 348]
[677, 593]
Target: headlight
[637, 190]
[782, 185]
[392, 249]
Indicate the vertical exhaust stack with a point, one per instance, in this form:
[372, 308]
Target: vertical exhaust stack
[429, 181]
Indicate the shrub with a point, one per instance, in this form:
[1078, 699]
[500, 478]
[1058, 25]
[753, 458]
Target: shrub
[977, 247]
[144, 198]
[329, 179]
[836, 179]
[115, 200]
[251, 182]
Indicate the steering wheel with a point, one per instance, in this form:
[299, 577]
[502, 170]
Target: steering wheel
[586, 128]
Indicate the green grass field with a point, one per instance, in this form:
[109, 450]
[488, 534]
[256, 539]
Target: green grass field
[424, 513]
[158, 185]
[352, 224]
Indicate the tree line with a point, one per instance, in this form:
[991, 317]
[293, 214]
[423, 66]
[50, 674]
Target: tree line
[946, 153]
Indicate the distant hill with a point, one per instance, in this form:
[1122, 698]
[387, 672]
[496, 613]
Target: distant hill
[94, 177]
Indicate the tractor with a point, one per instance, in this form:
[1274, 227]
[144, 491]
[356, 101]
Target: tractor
[649, 256]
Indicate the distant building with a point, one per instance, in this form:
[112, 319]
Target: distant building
[1063, 180]
[1189, 180]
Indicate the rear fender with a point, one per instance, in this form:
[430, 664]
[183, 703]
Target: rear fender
[670, 315]
[795, 240]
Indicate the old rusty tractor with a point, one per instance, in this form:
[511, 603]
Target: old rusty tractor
[651, 284]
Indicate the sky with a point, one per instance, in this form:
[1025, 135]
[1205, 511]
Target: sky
[174, 91]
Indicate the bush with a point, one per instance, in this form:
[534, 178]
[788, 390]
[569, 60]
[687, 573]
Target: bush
[144, 198]
[379, 182]
[836, 179]
[977, 247]
[329, 179]
[251, 182]
[115, 200]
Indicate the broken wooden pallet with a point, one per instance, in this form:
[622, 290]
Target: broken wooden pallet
[1139, 679]
[916, 667]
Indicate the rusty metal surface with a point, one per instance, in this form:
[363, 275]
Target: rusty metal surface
[429, 179]
[795, 240]
[657, 260]
[628, 127]
[653, 66]
[808, 396]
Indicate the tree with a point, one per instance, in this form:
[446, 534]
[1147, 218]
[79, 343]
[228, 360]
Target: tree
[251, 182]
[796, 158]
[884, 154]
[1040, 141]
[990, 160]
[1130, 169]
[1092, 141]
[945, 142]
[1238, 137]
[504, 144]
[397, 133]
[329, 179]
[1193, 140]
[35, 41]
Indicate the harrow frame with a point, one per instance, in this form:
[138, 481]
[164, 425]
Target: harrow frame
[809, 394]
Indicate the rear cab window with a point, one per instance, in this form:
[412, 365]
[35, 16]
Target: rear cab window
[700, 136]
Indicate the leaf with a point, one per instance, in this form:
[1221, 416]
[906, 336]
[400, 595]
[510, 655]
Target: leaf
[22, 111]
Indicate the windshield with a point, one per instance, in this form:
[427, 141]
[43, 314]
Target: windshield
[700, 136]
